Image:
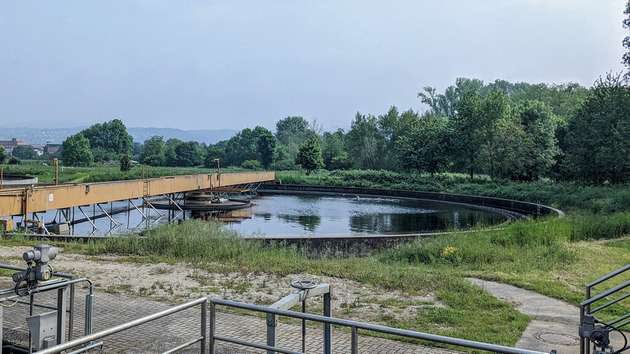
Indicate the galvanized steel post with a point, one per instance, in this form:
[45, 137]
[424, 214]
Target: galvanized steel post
[204, 327]
[61, 314]
[212, 327]
[327, 327]
[354, 341]
[271, 331]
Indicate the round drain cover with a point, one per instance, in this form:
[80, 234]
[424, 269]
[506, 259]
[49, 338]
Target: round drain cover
[557, 338]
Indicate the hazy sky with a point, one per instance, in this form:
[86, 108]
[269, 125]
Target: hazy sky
[232, 64]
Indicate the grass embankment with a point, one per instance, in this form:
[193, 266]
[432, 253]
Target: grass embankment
[568, 196]
[102, 173]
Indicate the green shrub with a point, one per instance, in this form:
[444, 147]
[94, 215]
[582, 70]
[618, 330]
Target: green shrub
[251, 165]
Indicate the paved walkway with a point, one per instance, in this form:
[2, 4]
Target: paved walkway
[165, 333]
[554, 325]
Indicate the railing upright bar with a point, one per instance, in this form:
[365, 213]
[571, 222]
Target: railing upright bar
[271, 332]
[212, 328]
[327, 327]
[354, 341]
[204, 327]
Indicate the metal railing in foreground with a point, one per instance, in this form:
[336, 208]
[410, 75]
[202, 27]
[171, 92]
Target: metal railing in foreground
[355, 326]
[595, 333]
[208, 341]
[89, 339]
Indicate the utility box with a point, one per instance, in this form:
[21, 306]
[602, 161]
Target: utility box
[60, 229]
[43, 328]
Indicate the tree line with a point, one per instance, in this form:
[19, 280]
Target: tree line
[505, 130]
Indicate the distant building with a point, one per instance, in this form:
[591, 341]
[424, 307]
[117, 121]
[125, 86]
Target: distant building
[38, 148]
[52, 149]
[9, 145]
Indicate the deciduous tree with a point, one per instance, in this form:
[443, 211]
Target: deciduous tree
[24, 152]
[3, 154]
[598, 138]
[310, 155]
[153, 152]
[76, 151]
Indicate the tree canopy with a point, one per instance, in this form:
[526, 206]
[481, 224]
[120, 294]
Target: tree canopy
[24, 152]
[310, 155]
[109, 140]
[3, 154]
[153, 151]
[598, 138]
[76, 151]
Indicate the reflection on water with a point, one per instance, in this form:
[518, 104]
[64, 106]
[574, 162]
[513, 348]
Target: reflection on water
[293, 215]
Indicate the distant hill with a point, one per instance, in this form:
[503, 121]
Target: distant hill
[58, 135]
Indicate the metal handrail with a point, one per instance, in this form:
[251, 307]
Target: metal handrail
[610, 303]
[606, 293]
[354, 325]
[587, 318]
[608, 276]
[140, 321]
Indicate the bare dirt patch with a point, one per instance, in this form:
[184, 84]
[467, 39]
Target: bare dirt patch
[180, 281]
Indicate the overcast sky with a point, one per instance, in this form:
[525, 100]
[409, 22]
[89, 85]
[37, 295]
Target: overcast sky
[233, 64]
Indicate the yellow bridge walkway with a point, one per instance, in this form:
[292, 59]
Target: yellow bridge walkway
[36, 199]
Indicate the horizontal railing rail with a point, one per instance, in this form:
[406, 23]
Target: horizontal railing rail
[353, 325]
[608, 276]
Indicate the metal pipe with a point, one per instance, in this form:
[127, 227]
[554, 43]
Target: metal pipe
[379, 328]
[58, 285]
[122, 327]
[184, 346]
[255, 345]
[87, 348]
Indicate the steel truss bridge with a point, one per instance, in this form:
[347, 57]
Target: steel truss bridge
[64, 198]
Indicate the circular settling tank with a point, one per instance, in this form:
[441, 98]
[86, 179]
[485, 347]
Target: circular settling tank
[10, 180]
[320, 215]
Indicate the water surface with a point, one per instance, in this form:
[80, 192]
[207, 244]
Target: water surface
[300, 215]
[306, 215]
